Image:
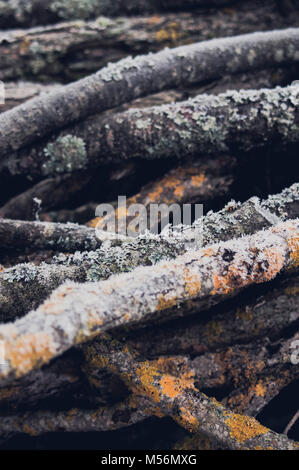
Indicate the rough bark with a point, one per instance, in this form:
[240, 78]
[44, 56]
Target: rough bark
[35, 12]
[245, 367]
[24, 286]
[273, 375]
[127, 413]
[197, 181]
[77, 313]
[132, 78]
[47, 235]
[67, 51]
[50, 192]
[181, 399]
[17, 93]
[135, 409]
[243, 320]
[60, 377]
[233, 122]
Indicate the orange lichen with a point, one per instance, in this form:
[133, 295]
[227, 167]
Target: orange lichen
[260, 390]
[238, 275]
[293, 244]
[179, 191]
[29, 430]
[165, 301]
[28, 351]
[209, 252]
[188, 420]
[217, 403]
[148, 375]
[24, 46]
[197, 180]
[154, 196]
[276, 262]
[192, 283]
[154, 19]
[171, 34]
[221, 285]
[172, 386]
[243, 427]
[96, 222]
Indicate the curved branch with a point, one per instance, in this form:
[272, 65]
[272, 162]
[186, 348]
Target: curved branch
[180, 399]
[132, 78]
[232, 122]
[25, 286]
[77, 313]
[70, 50]
[127, 413]
[34, 12]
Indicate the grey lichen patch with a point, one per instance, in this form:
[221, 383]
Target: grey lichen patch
[71, 9]
[23, 272]
[116, 71]
[66, 154]
[279, 203]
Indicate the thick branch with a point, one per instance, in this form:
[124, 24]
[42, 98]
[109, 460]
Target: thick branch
[230, 122]
[18, 92]
[132, 78]
[180, 399]
[240, 321]
[47, 235]
[35, 12]
[195, 181]
[130, 411]
[235, 220]
[76, 313]
[67, 51]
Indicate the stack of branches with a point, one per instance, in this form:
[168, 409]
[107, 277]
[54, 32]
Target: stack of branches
[100, 335]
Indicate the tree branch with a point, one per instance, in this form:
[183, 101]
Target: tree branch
[132, 78]
[232, 122]
[77, 313]
[25, 286]
[70, 50]
[180, 399]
